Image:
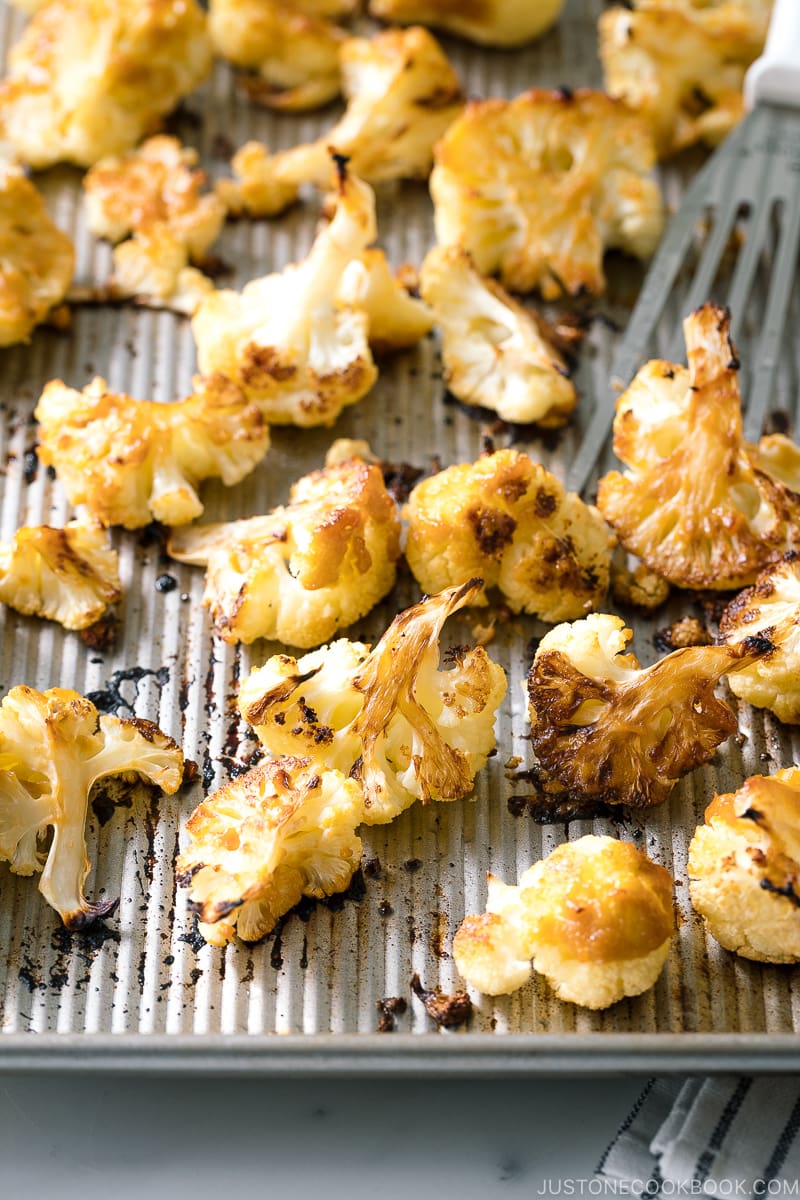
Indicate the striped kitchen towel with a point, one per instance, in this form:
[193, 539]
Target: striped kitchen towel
[722, 1136]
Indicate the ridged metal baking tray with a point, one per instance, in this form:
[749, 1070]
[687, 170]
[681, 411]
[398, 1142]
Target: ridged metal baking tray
[142, 991]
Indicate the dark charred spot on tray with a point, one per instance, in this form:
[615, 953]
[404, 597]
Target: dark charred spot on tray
[166, 583]
[688, 631]
[82, 919]
[786, 890]
[493, 530]
[222, 147]
[372, 868]
[439, 934]
[412, 865]
[487, 445]
[354, 893]
[193, 939]
[105, 805]
[155, 534]
[30, 466]
[385, 909]
[102, 635]
[399, 478]
[778, 421]
[447, 1010]
[390, 1008]
[552, 804]
[216, 267]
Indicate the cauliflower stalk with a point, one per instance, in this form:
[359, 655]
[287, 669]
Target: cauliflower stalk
[387, 717]
[284, 830]
[132, 461]
[539, 187]
[509, 521]
[697, 504]
[54, 746]
[495, 352]
[489, 23]
[303, 571]
[608, 730]
[744, 868]
[595, 916]
[285, 340]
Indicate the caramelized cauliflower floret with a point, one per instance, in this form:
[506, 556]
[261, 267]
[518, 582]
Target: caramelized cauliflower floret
[285, 340]
[284, 830]
[596, 916]
[92, 77]
[608, 730]
[508, 520]
[397, 320]
[401, 95]
[152, 268]
[744, 868]
[488, 22]
[36, 258]
[388, 718]
[682, 66]
[495, 352]
[697, 505]
[54, 746]
[132, 461]
[68, 575]
[637, 587]
[537, 188]
[295, 55]
[305, 571]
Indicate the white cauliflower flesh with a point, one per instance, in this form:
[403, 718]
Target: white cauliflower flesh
[490, 22]
[539, 187]
[296, 352]
[284, 830]
[698, 505]
[294, 55]
[396, 319]
[54, 747]
[388, 717]
[92, 77]
[69, 575]
[608, 730]
[36, 258]
[744, 868]
[771, 609]
[133, 461]
[153, 268]
[682, 66]
[509, 521]
[596, 917]
[304, 571]
[495, 352]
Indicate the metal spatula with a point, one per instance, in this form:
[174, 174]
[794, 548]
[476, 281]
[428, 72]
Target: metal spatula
[756, 175]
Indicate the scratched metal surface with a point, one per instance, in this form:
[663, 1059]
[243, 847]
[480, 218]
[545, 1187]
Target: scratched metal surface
[145, 973]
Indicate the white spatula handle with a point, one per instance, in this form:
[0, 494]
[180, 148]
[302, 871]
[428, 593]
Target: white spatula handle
[775, 76]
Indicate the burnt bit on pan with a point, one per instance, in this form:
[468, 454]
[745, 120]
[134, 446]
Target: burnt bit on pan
[399, 478]
[688, 631]
[552, 804]
[390, 1008]
[102, 635]
[448, 1010]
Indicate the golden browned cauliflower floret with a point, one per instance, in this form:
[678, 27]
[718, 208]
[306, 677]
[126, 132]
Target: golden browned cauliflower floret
[488, 22]
[133, 461]
[54, 747]
[401, 95]
[387, 717]
[397, 320]
[609, 730]
[636, 585]
[296, 352]
[682, 65]
[91, 77]
[295, 55]
[596, 916]
[697, 505]
[508, 520]
[770, 608]
[284, 830]
[36, 258]
[538, 188]
[495, 352]
[69, 575]
[29, 6]
[744, 868]
[304, 571]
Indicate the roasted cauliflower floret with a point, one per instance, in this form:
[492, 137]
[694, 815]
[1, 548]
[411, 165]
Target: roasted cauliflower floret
[538, 188]
[36, 258]
[284, 830]
[744, 868]
[68, 575]
[608, 730]
[682, 66]
[132, 461]
[295, 56]
[387, 717]
[490, 23]
[508, 520]
[285, 340]
[306, 570]
[54, 746]
[397, 320]
[401, 95]
[697, 505]
[92, 77]
[152, 268]
[596, 916]
[495, 352]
